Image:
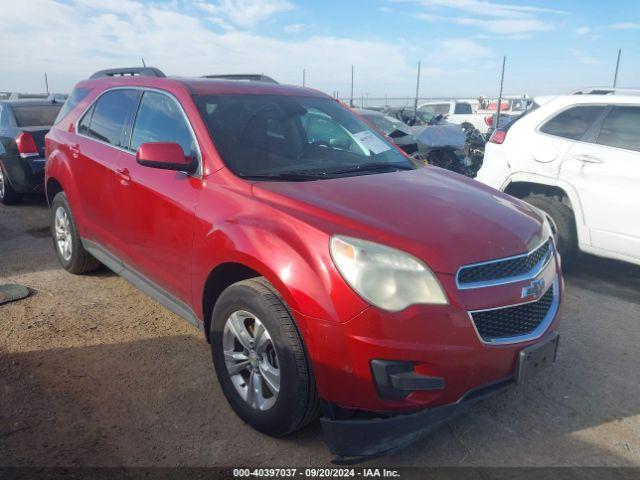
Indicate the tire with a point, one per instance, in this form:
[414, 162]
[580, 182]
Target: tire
[8, 196]
[75, 260]
[296, 402]
[565, 224]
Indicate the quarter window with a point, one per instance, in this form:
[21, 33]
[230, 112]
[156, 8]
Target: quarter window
[621, 128]
[76, 97]
[111, 113]
[160, 119]
[573, 123]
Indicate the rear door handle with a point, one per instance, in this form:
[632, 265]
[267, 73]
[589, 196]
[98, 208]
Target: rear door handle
[586, 158]
[75, 150]
[125, 177]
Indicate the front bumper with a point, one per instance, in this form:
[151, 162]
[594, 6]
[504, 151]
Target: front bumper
[357, 440]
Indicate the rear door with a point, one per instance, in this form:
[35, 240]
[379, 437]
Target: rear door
[100, 140]
[606, 172]
[155, 208]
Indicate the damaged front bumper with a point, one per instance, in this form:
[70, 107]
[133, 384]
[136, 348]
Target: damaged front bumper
[355, 440]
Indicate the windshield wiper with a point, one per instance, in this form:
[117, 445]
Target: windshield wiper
[284, 176]
[371, 167]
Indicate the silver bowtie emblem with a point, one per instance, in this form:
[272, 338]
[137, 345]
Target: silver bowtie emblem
[534, 290]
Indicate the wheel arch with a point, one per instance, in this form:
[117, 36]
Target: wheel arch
[521, 185]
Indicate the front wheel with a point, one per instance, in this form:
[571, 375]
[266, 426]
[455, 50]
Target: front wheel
[260, 360]
[563, 222]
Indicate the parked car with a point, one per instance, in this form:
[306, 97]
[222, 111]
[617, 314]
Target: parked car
[323, 266]
[440, 143]
[23, 125]
[576, 157]
[456, 112]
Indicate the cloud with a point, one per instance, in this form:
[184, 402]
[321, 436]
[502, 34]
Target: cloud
[586, 59]
[245, 13]
[583, 30]
[624, 26]
[495, 18]
[294, 28]
[173, 37]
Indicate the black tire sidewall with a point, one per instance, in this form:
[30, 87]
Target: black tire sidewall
[10, 197]
[564, 222]
[60, 200]
[280, 418]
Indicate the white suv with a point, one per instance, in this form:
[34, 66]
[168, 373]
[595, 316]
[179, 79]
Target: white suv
[577, 157]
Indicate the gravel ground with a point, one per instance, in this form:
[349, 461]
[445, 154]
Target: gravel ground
[94, 373]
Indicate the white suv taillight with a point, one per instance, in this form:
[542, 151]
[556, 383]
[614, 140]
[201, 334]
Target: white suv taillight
[498, 136]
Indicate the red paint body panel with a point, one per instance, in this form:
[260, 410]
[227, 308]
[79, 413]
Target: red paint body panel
[176, 229]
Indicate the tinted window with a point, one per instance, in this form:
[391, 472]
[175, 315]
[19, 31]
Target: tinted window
[436, 109]
[160, 119]
[76, 97]
[276, 134]
[35, 115]
[621, 128]
[110, 114]
[463, 108]
[572, 123]
[83, 125]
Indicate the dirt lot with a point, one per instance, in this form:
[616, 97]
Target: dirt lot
[93, 372]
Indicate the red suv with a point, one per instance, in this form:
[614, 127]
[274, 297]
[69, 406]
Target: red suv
[326, 269]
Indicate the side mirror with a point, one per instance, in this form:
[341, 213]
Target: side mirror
[166, 156]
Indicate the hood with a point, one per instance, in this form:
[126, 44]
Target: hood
[440, 217]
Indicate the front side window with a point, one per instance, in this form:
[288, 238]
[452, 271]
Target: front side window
[574, 122]
[109, 115]
[35, 115]
[160, 119]
[271, 135]
[621, 128]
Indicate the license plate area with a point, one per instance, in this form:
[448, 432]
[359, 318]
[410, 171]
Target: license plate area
[535, 358]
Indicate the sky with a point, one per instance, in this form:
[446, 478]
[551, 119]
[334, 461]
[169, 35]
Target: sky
[551, 46]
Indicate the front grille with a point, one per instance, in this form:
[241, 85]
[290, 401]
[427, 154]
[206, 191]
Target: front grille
[513, 321]
[504, 269]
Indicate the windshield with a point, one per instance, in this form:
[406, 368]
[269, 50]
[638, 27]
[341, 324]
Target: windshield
[36, 115]
[386, 124]
[276, 135]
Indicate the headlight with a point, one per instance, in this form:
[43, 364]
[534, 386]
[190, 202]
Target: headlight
[549, 228]
[385, 277]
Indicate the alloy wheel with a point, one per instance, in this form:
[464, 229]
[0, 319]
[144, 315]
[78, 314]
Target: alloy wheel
[62, 227]
[251, 360]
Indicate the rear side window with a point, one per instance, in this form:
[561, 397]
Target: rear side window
[160, 119]
[574, 122]
[76, 97]
[35, 115]
[621, 128]
[110, 114]
[463, 109]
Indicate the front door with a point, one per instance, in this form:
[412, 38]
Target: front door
[155, 208]
[606, 174]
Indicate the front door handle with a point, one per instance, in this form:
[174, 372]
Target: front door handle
[125, 177]
[75, 150]
[586, 158]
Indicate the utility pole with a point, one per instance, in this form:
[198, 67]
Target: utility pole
[143, 64]
[351, 99]
[415, 104]
[504, 60]
[46, 82]
[304, 77]
[615, 77]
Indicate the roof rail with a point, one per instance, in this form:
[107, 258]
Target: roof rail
[133, 71]
[606, 91]
[250, 77]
